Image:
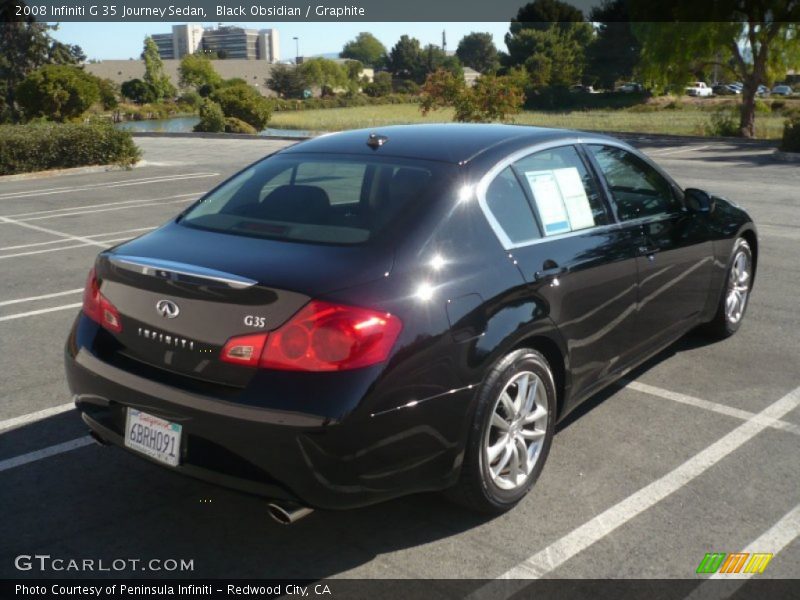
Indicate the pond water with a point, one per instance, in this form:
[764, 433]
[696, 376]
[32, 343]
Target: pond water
[186, 124]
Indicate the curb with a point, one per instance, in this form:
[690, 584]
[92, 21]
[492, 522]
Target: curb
[70, 171]
[789, 157]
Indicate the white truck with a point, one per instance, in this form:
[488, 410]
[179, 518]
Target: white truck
[698, 88]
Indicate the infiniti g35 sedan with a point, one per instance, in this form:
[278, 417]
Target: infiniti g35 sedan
[370, 314]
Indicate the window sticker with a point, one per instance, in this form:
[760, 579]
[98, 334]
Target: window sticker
[561, 200]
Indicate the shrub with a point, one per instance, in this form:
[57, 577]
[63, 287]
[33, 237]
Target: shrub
[138, 91]
[723, 123]
[57, 92]
[406, 86]
[40, 146]
[381, 85]
[245, 103]
[791, 135]
[190, 100]
[212, 119]
[492, 98]
[761, 106]
[234, 125]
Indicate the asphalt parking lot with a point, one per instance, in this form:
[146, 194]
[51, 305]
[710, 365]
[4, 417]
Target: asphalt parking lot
[699, 452]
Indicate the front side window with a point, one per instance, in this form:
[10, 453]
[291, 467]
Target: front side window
[314, 198]
[637, 188]
[564, 192]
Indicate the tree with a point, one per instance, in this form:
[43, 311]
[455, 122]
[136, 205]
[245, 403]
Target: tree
[492, 98]
[154, 75]
[755, 41]
[323, 73]
[477, 50]
[57, 92]
[405, 58]
[614, 53]
[381, 85]
[550, 38]
[26, 45]
[197, 70]
[434, 59]
[137, 91]
[243, 102]
[109, 93]
[287, 81]
[553, 56]
[366, 49]
[212, 118]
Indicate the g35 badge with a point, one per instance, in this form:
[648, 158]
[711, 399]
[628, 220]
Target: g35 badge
[254, 321]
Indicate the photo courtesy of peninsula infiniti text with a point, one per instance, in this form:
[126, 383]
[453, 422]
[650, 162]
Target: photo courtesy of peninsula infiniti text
[370, 314]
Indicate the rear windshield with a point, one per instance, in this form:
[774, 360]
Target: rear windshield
[320, 198]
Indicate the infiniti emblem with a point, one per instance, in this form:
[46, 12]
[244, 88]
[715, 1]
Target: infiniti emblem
[168, 309]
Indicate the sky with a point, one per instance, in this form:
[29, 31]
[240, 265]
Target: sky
[106, 41]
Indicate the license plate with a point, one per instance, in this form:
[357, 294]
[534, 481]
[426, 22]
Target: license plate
[157, 438]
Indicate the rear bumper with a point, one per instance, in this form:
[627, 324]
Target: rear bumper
[277, 454]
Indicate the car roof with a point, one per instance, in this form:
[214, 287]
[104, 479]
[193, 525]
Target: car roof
[447, 142]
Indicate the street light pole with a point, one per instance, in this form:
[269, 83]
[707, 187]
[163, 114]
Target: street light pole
[296, 50]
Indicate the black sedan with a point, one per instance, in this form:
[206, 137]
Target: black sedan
[371, 314]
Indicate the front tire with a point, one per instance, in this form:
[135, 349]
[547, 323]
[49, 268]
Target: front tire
[511, 433]
[735, 294]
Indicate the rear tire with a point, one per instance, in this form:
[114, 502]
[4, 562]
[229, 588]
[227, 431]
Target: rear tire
[735, 294]
[511, 434]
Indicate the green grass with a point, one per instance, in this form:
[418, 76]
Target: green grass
[687, 121]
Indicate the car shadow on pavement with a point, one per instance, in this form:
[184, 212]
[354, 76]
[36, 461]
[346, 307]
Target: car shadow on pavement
[103, 503]
[690, 341]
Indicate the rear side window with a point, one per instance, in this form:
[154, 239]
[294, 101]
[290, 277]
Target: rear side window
[637, 188]
[565, 194]
[314, 198]
[509, 208]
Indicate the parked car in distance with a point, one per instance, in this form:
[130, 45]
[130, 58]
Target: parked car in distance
[582, 89]
[698, 88]
[762, 91]
[370, 314]
[723, 89]
[782, 90]
[631, 88]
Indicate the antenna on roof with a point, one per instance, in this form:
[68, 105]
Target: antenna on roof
[375, 140]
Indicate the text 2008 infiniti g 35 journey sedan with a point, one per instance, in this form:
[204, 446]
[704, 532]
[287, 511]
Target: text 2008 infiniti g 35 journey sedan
[366, 315]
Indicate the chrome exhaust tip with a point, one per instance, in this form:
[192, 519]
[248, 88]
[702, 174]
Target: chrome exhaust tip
[287, 513]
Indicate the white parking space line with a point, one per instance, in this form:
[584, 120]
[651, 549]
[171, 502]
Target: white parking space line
[676, 150]
[127, 207]
[42, 297]
[83, 208]
[94, 235]
[30, 457]
[32, 313]
[106, 244]
[61, 234]
[722, 409]
[110, 184]
[9, 424]
[569, 546]
[775, 539]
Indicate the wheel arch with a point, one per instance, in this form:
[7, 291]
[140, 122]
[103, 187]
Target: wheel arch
[750, 236]
[555, 357]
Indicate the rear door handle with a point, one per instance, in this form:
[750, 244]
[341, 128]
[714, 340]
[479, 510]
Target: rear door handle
[646, 250]
[549, 273]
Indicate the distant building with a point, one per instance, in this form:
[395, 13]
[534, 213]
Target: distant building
[227, 41]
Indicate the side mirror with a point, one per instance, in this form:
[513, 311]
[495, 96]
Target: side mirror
[698, 201]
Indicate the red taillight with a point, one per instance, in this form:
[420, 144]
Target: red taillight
[321, 337]
[97, 307]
